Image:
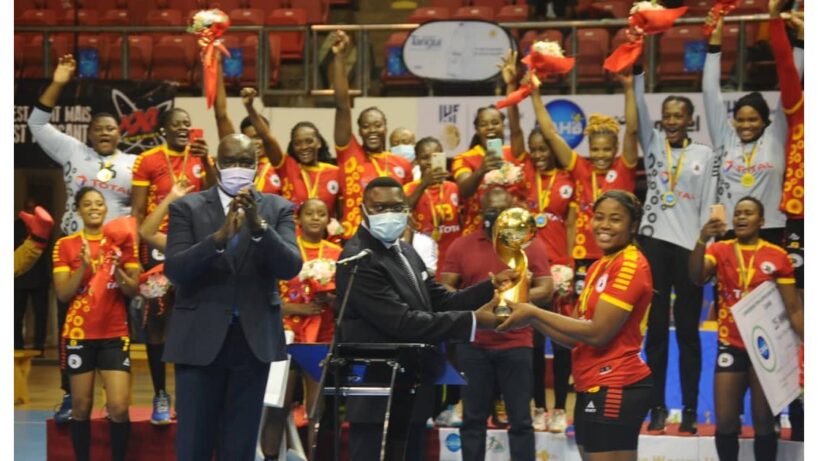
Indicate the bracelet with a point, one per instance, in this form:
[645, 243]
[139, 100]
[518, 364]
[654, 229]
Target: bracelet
[700, 241]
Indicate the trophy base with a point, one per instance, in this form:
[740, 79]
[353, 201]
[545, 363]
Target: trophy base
[502, 312]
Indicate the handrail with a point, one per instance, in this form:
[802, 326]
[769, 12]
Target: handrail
[311, 44]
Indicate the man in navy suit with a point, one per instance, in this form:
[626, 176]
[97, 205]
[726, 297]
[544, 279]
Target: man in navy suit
[227, 248]
[394, 299]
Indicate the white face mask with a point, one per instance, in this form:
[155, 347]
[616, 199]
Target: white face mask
[406, 151]
[232, 180]
[387, 227]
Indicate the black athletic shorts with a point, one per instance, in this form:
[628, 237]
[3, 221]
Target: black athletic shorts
[84, 355]
[794, 246]
[732, 359]
[610, 418]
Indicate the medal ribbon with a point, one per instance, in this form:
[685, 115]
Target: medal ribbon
[96, 261]
[674, 171]
[304, 252]
[748, 160]
[262, 175]
[107, 165]
[543, 200]
[170, 165]
[745, 273]
[590, 282]
[312, 187]
[381, 171]
[594, 187]
[435, 218]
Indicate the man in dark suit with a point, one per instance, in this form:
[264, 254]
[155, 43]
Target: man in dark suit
[226, 323]
[393, 300]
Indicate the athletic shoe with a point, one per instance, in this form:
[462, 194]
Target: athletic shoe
[538, 420]
[688, 425]
[445, 417]
[161, 409]
[500, 417]
[63, 413]
[557, 421]
[658, 419]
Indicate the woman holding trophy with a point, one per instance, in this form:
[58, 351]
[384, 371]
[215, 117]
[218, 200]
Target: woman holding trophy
[613, 384]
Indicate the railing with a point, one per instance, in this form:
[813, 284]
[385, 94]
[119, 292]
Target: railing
[310, 64]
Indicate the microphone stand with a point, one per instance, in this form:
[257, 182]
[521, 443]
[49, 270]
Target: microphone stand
[317, 410]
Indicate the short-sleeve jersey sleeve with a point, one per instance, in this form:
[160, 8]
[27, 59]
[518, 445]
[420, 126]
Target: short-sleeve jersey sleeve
[141, 175]
[625, 284]
[61, 257]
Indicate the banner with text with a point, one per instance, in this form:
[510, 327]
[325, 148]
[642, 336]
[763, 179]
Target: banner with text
[136, 104]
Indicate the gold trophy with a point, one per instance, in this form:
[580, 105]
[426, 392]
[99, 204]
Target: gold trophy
[513, 231]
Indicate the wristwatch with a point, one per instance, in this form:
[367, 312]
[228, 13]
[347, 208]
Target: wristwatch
[262, 228]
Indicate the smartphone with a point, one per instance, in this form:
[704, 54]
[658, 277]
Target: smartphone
[717, 211]
[438, 161]
[193, 134]
[494, 146]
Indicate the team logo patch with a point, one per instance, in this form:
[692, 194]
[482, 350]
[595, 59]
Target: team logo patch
[566, 191]
[332, 187]
[126, 362]
[74, 361]
[601, 283]
[275, 180]
[453, 199]
[197, 171]
[611, 176]
[697, 168]
[726, 360]
[767, 267]
[399, 171]
[157, 255]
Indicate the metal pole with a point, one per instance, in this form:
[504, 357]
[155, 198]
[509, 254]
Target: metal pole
[263, 63]
[742, 55]
[651, 63]
[574, 44]
[308, 51]
[46, 55]
[125, 52]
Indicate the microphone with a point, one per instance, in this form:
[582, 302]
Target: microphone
[363, 254]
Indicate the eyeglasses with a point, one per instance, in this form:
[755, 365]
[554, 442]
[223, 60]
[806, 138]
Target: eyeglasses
[380, 208]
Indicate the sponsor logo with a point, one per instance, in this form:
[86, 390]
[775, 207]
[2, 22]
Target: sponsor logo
[796, 259]
[453, 442]
[569, 120]
[157, 255]
[590, 408]
[426, 41]
[74, 361]
[126, 362]
[726, 360]
[138, 125]
[448, 113]
[763, 348]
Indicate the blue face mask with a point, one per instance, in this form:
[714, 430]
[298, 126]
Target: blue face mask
[232, 180]
[387, 227]
[406, 151]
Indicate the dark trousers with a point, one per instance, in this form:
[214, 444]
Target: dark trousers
[511, 369]
[538, 370]
[39, 302]
[365, 441]
[219, 405]
[668, 264]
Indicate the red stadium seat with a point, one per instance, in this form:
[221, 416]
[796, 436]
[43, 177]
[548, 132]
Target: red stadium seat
[475, 13]
[750, 7]
[174, 59]
[729, 49]
[672, 56]
[512, 13]
[274, 71]
[82, 16]
[268, 5]
[698, 8]
[620, 37]
[493, 4]
[19, 42]
[428, 13]
[317, 10]
[611, 9]
[292, 42]
[37, 18]
[165, 18]
[553, 35]
[140, 50]
[592, 49]
[450, 4]
[227, 5]
[32, 54]
[115, 17]
[180, 5]
[247, 17]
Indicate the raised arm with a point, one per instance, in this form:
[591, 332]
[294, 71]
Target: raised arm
[562, 151]
[343, 106]
[699, 268]
[508, 68]
[149, 230]
[644, 122]
[54, 142]
[789, 73]
[630, 151]
[67, 282]
[718, 120]
[223, 123]
[271, 147]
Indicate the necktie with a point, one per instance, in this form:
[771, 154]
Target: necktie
[408, 269]
[232, 246]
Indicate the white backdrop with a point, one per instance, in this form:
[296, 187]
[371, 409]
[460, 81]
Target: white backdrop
[450, 119]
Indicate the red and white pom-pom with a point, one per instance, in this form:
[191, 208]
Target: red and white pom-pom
[646, 18]
[545, 58]
[209, 26]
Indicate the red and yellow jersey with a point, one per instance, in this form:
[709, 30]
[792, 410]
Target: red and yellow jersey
[624, 280]
[589, 186]
[469, 162]
[437, 214]
[267, 179]
[763, 262]
[356, 170]
[549, 197]
[87, 319]
[158, 169]
[313, 328]
[301, 182]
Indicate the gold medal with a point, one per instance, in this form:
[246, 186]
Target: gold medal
[105, 174]
[436, 235]
[541, 220]
[748, 180]
[669, 199]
